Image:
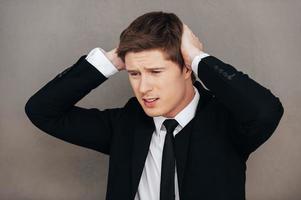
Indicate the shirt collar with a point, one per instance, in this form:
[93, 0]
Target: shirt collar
[184, 116]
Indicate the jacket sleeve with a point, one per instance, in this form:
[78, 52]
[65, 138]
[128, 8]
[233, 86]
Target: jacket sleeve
[52, 108]
[253, 112]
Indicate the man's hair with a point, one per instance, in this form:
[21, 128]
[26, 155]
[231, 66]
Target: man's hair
[154, 30]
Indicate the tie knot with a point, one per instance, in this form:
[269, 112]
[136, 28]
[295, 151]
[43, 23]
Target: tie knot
[170, 125]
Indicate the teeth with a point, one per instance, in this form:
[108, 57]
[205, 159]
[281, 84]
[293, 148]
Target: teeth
[150, 100]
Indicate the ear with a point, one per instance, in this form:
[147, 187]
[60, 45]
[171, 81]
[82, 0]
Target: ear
[187, 72]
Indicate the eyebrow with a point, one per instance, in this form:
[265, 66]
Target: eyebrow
[147, 68]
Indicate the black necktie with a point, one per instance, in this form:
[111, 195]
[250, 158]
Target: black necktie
[167, 185]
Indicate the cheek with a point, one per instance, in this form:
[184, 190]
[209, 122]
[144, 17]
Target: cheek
[173, 89]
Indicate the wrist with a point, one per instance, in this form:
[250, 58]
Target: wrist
[194, 54]
[115, 60]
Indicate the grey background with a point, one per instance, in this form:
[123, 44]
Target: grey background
[39, 39]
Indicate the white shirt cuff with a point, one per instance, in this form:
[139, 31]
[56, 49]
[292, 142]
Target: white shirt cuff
[98, 59]
[196, 60]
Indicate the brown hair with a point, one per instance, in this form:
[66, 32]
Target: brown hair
[154, 30]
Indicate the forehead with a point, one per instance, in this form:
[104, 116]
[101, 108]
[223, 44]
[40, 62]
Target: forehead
[147, 58]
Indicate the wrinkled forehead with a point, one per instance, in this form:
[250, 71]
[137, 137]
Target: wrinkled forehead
[147, 58]
[160, 51]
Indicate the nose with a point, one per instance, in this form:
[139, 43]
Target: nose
[145, 85]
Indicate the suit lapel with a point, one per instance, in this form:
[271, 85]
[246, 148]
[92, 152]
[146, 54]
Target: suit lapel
[182, 139]
[181, 150]
[142, 137]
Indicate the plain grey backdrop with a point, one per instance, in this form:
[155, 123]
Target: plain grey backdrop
[39, 39]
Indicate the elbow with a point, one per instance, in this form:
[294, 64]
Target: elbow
[272, 114]
[28, 108]
[272, 110]
[35, 115]
[280, 110]
[31, 111]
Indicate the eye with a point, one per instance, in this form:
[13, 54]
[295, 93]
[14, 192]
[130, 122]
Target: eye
[133, 73]
[156, 72]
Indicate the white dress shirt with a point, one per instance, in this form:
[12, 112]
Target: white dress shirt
[149, 185]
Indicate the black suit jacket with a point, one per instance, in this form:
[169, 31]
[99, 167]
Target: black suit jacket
[234, 117]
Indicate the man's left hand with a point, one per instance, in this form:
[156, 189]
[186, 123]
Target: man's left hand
[190, 46]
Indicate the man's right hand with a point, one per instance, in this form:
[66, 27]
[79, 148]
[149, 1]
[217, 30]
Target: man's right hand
[117, 62]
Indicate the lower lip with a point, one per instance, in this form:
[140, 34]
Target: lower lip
[150, 104]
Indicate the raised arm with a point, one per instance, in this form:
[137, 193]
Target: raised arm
[52, 108]
[253, 112]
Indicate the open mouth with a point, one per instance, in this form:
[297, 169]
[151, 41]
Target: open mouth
[150, 102]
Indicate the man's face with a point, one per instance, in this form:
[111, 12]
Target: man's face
[160, 86]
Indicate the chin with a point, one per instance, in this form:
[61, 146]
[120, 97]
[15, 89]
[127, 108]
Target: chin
[152, 113]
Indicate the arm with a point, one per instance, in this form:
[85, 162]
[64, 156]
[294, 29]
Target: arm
[253, 112]
[52, 109]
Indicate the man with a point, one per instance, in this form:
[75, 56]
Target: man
[174, 139]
